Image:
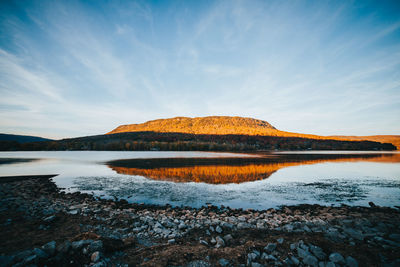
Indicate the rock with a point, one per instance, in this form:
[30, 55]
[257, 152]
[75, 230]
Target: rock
[29, 260]
[223, 262]
[100, 264]
[395, 237]
[50, 248]
[351, 262]
[302, 253]
[64, 247]
[203, 242]
[220, 242]
[198, 263]
[330, 264]
[295, 260]
[171, 241]
[218, 229]
[371, 204]
[95, 257]
[73, 212]
[228, 238]
[96, 246]
[354, 234]
[292, 246]
[311, 260]
[80, 244]
[6, 260]
[182, 226]
[336, 258]
[318, 252]
[270, 247]
[280, 240]
[40, 253]
[256, 264]
[49, 219]
[251, 257]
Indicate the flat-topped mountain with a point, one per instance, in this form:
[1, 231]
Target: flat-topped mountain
[202, 125]
[226, 125]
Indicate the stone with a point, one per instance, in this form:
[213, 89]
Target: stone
[228, 238]
[95, 257]
[182, 226]
[302, 253]
[280, 240]
[73, 212]
[171, 241]
[354, 233]
[40, 253]
[223, 262]
[336, 258]
[318, 252]
[330, 264]
[295, 260]
[220, 242]
[395, 237]
[351, 262]
[218, 229]
[96, 246]
[203, 242]
[49, 219]
[311, 260]
[256, 264]
[198, 263]
[251, 257]
[270, 247]
[64, 247]
[50, 248]
[80, 244]
[6, 260]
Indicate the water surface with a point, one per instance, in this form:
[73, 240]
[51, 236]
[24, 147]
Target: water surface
[238, 180]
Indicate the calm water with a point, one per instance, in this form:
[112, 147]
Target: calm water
[237, 180]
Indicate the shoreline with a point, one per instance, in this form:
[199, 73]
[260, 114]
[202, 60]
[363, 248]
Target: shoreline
[40, 224]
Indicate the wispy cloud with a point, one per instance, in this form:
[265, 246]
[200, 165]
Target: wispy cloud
[78, 68]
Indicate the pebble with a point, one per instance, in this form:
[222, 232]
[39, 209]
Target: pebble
[351, 262]
[336, 258]
[270, 247]
[95, 257]
[311, 260]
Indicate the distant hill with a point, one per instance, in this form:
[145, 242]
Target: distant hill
[392, 139]
[22, 138]
[224, 125]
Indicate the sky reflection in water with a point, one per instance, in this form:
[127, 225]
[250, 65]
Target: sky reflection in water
[217, 178]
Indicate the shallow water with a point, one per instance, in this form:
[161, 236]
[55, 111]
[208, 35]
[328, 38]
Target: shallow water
[237, 180]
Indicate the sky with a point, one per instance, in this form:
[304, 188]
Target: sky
[77, 68]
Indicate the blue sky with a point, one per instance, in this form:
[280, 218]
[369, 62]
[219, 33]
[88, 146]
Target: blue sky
[74, 68]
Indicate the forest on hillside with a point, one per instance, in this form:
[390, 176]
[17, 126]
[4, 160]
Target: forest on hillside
[142, 141]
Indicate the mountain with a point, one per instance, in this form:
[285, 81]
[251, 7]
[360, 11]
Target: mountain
[202, 125]
[224, 125]
[22, 138]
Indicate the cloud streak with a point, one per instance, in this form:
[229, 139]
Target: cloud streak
[79, 68]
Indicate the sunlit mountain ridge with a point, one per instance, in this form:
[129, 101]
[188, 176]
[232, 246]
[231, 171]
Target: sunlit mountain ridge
[224, 125]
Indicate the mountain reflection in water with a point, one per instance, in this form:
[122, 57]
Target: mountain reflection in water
[231, 170]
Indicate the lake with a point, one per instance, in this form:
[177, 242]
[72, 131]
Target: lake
[257, 181]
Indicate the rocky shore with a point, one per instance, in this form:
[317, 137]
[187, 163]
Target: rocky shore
[42, 226]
